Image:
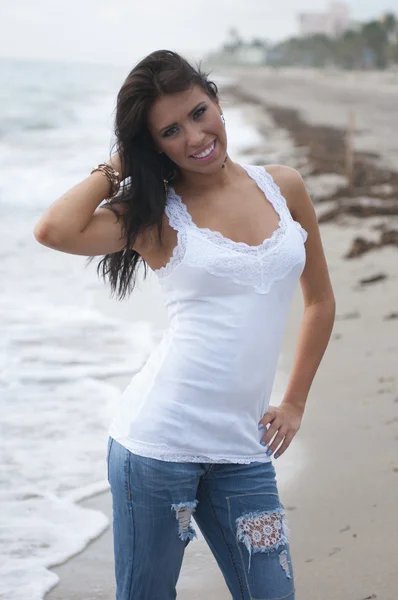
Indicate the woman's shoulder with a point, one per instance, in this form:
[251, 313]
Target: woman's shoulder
[284, 175]
[290, 183]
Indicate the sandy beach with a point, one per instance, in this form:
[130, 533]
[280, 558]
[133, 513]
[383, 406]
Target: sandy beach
[341, 506]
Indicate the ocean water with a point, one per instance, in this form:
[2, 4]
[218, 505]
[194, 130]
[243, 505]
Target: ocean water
[64, 345]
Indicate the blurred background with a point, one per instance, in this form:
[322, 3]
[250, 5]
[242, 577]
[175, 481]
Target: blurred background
[313, 85]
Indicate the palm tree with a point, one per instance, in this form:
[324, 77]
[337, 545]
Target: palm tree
[390, 23]
[375, 37]
[371, 45]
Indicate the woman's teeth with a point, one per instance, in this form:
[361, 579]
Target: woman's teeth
[205, 152]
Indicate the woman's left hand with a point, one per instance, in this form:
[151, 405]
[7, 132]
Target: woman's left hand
[284, 421]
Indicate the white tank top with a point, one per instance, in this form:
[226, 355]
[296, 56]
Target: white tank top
[207, 383]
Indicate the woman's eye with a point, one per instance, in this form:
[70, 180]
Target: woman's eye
[169, 132]
[196, 115]
[200, 112]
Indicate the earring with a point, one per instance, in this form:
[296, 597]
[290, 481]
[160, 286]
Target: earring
[166, 185]
[226, 156]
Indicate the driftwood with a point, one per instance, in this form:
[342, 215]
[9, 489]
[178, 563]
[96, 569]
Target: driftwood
[373, 279]
[391, 316]
[388, 237]
[360, 246]
[361, 208]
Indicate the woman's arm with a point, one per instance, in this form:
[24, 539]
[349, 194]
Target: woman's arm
[318, 318]
[319, 300]
[76, 225]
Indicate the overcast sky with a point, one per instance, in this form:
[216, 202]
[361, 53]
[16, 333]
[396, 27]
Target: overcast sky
[121, 31]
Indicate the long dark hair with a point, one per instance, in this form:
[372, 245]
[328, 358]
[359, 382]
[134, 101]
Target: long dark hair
[141, 200]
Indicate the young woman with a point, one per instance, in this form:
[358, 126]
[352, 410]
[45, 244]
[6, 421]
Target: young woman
[195, 434]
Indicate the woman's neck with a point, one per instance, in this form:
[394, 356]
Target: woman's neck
[201, 183]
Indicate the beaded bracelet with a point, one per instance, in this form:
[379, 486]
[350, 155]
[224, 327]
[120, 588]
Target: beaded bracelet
[113, 177]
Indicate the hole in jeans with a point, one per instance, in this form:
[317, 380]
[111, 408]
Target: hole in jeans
[284, 563]
[184, 512]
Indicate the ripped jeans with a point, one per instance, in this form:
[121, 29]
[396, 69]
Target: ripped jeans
[235, 506]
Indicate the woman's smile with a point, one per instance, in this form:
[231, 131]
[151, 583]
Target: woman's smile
[206, 153]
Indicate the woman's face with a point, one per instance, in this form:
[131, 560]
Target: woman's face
[187, 126]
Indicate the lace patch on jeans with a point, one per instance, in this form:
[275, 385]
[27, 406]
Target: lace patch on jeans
[262, 531]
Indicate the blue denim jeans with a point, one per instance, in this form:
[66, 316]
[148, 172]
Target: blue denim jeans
[236, 507]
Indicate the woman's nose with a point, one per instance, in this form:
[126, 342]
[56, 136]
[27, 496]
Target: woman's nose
[195, 139]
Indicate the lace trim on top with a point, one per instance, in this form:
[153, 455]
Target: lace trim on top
[163, 452]
[179, 249]
[180, 219]
[273, 195]
[301, 229]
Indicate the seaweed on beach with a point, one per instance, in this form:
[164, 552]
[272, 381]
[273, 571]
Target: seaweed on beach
[370, 191]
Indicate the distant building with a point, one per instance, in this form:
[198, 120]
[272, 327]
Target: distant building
[333, 22]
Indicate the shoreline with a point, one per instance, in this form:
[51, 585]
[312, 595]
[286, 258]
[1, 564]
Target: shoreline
[344, 500]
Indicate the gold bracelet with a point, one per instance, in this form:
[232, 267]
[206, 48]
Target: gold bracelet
[113, 177]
